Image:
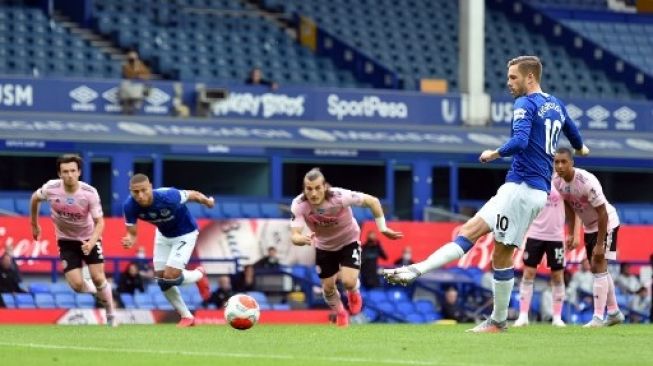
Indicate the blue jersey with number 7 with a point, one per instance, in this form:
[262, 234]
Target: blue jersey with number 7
[537, 121]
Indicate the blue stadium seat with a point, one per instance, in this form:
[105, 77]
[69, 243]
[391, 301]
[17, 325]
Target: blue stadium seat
[377, 296]
[405, 307]
[424, 306]
[152, 289]
[259, 296]
[162, 303]
[39, 287]
[280, 307]
[432, 317]
[231, 210]
[397, 295]
[196, 209]
[44, 301]
[24, 301]
[60, 287]
[22, 206]
[9, 300]
[371, 314]
[415, 318]
[630, 216]
[386, 307]
[144, 301]
[646, 215]
[84, 301]
[270, 210]
[7, 204]
[65, 300]
[250, 210]
[127, 300]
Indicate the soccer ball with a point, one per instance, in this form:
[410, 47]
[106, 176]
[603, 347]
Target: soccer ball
[241, 311]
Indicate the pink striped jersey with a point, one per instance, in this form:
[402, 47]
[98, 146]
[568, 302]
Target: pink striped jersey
[72, 213]
[549, 225]
[332, 221]
[584, 193]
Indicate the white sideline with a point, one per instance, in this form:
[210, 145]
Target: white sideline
[235, 355]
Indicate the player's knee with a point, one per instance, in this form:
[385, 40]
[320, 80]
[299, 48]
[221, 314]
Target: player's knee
[328, 289]
[349, 283]
[166, 283]
[77, 286]
[98, 280]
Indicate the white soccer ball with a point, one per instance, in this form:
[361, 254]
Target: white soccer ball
[241, 311]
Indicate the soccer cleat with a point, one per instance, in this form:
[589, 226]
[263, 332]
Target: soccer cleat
[557, 322]
[614, 319]
[489, 326]
[596, 322]
[186, 322]
[402, 275]
[203, 284]
[342, 319]
[522, 321]
[112, 321]
[355, 302]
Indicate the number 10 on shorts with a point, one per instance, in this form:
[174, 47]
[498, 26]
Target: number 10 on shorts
[502, 223]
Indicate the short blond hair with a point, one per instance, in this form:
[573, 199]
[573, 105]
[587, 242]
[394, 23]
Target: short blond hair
[528, 64]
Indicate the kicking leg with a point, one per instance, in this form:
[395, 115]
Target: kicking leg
[104, 293]
[473, 229]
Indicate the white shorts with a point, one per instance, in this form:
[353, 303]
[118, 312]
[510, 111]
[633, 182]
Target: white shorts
[173, 252]
[511, 211]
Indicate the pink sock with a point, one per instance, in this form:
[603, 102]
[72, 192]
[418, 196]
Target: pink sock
[613, 306]
[333, 301]
[525, 296]
[601, 285]
[106, 297]
[558, 300]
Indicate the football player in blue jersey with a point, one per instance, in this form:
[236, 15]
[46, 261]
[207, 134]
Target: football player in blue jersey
[174, 241]
[538, 119]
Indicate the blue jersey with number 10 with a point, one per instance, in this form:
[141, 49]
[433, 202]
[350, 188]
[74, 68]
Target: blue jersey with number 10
[537, 121]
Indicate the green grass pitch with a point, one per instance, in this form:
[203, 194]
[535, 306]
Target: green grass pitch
[358, 345]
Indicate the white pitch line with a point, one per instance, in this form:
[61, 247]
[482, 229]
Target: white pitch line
[236, 355]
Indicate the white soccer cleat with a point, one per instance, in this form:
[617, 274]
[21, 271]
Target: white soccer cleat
[614, 319]
[402, 275]
[489, 326]
[557, 322]
[596, 322]
[522, 321]
[112, 321]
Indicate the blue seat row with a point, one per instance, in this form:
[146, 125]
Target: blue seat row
[47, 300]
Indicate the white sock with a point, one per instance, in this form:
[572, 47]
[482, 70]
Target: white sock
[502, 291]
[440, 257]
[88, 287]
[174, 296]
[191, 276]
[106, 297]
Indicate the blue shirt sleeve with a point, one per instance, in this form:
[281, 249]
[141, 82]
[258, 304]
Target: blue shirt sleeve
[129, 212]
[172, 196]
[571, 131]
[522, 120]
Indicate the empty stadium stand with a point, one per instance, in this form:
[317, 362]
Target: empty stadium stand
[213, 40]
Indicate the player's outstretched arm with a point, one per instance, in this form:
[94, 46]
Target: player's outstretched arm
[298, 238]
[129, 240]
[374, 205]
[199, 197]
[34, 203]
[583, 151]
